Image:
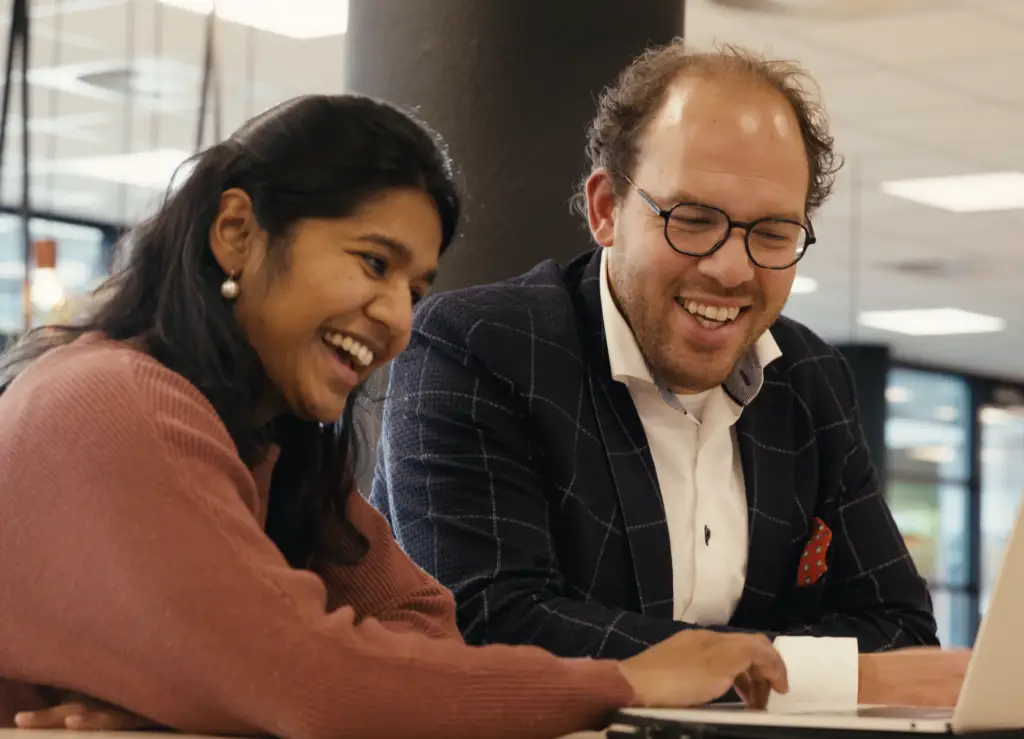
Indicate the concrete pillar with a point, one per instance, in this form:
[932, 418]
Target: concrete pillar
[511, 85]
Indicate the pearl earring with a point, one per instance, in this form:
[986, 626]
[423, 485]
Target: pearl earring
[229, 288]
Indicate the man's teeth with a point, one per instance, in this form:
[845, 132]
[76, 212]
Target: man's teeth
[359, 351]
[711, 315]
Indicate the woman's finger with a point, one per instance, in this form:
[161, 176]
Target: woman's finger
[49, 718]
[106, 720]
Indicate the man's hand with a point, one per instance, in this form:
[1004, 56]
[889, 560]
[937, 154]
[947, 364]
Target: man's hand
[81, 713]
[694, 667]
[915, 676]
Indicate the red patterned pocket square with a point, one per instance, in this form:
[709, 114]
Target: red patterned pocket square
[813, 563]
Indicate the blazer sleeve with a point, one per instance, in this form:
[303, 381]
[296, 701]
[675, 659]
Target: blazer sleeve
[874, 592]
[462, 487]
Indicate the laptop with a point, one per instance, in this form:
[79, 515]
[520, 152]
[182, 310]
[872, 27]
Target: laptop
[991, 700]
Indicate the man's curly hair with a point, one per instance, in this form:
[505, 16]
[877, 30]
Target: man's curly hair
[626, 107]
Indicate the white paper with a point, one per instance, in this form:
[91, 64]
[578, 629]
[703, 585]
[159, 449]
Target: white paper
[822, 674]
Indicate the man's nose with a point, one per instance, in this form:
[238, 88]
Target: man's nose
[729, 265]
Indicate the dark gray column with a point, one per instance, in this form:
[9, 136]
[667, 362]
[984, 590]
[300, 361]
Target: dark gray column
[870, 364]
[511, 85]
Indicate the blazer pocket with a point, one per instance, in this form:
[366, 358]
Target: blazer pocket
[813, 564]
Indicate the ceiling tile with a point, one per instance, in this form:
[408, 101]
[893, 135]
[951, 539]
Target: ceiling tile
[940, 35]
[957, 129]
[773, 36]
[883, 94]
[1005, 11]
[898, 162]
[999, 80]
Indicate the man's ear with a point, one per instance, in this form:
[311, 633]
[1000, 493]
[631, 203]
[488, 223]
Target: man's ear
[232, 231]
[602, 207]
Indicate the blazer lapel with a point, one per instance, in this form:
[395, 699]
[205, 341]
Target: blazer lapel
[628, 455]
[765, 433]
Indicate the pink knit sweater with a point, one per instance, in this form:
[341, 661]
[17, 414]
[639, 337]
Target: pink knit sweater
[134, 568]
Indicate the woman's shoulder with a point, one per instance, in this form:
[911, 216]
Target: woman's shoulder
[102, 381]
[96, 408]
[95, 363]
[87, 358]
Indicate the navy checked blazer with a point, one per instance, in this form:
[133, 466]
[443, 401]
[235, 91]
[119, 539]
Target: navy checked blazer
[516, 471]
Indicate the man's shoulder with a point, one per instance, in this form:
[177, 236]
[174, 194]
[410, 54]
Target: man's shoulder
[539, 303]
[799, 343]
[809, 363]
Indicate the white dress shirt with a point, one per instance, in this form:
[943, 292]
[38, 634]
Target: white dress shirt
[696, 457]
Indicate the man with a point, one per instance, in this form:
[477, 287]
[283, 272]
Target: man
[593, 458]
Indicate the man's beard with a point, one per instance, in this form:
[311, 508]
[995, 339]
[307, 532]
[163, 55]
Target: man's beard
[673, 373]
[671, 361]
[679, 366]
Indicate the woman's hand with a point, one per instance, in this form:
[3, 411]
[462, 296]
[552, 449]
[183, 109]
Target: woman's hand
[81, 713]
[695, 667]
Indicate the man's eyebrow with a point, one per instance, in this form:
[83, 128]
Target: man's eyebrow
[685, 197]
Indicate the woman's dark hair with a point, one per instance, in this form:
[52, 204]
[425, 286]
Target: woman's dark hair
[320, 156]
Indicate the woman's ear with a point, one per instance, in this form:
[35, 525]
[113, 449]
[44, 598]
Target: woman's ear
[233, 232]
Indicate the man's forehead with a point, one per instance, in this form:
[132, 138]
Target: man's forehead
[728, 104]
[711, 137]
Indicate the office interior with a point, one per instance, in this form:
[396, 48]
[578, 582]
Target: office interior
[916, 273]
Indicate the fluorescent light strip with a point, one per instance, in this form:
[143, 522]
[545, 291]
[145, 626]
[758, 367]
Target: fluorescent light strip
[152, 169]
[931, 322]
[898, 394]
[975, 193]
[933, 454]
[298, 19]
[996, 416]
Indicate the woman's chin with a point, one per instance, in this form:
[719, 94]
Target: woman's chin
[325, 408]
[329, 409]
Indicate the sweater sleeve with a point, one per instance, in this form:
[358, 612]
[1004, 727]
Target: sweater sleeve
[143, 579]
[387, 585]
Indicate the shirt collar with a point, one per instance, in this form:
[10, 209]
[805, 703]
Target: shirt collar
[627, 363]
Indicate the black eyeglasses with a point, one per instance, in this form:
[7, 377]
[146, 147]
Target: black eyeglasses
[698, 230]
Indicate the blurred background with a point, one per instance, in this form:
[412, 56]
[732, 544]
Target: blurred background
[919, 269]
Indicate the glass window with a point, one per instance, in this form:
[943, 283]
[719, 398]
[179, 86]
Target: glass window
[932, 517]
[81, 264]
[953, 617]
[1002, 482]
[927, 438]
[927, 427]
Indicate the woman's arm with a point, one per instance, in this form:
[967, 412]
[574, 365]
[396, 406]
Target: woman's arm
[387, 585]
[135, 573]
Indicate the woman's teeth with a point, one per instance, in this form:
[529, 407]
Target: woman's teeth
[711, 316]
[361, 353]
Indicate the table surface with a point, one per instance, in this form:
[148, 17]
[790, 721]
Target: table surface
[61, 734]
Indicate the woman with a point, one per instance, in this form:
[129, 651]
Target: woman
[182, 537]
